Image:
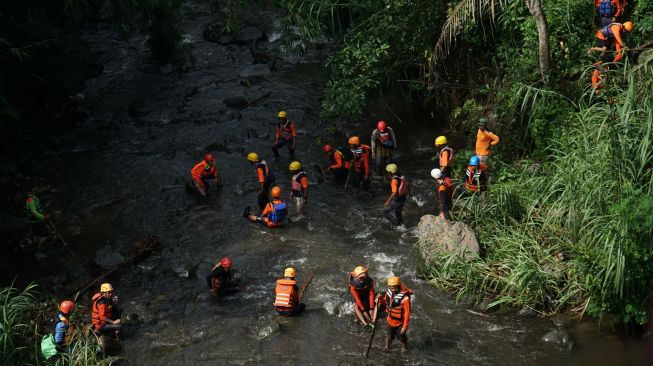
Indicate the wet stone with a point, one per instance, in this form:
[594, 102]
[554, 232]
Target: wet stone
[250, 34]
[165, 69]
[213, 33]
[106, 258]
[559, 337]
[235, 102]
[255, 71]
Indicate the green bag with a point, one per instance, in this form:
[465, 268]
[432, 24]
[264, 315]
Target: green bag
[48, 348]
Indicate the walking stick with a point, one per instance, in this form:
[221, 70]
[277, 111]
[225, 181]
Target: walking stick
[348, 175]
[56, 234]
[376, 318]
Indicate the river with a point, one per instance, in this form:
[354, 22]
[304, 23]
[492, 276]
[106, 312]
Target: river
[116, 179]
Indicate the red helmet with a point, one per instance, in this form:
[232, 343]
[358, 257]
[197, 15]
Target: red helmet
[381, 125]
[327, 148]
[225, 262]
[209, 157]
[66, 306]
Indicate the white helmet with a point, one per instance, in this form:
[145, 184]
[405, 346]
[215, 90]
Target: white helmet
[436, 173]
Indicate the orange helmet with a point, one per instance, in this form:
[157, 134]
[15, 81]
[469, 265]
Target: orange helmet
[381, 125]
[327, 148]
[628, 26]
[209, 158]
[354, 140]
[66, 306]
[275, 192]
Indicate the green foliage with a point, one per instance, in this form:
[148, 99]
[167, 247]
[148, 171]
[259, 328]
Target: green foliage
[592, 200]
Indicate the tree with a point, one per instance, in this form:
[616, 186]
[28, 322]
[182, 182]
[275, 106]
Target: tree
[469, 11]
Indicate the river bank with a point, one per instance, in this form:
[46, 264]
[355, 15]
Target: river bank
[110, 181]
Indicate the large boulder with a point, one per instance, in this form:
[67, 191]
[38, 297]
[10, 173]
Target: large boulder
[438, 235]
[249, 35]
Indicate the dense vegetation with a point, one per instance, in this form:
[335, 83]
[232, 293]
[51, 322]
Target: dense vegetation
[576, 179]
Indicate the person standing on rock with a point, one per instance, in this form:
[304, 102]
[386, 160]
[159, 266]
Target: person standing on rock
[58, 341]
[397, 307]
[361, 287]
[445, 156]
[383, 144]
[37, 218]
[485, 139]
[445, 192]
[204, 171]
[105, 317]
[336, 164]
[284, 134]
[360, 162]
[274, 212]
[286, 301]
[393, 206]
[265, 178]
[299, 184]
[221, 280]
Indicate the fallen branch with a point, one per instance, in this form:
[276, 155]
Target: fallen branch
[255, 101]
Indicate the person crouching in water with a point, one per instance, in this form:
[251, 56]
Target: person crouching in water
[286, 301]
[361, 287]
[274, 212]
[105, 317]
[299, 184]
[221, 280]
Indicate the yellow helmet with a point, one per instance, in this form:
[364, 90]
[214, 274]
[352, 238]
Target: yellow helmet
[391, 168]
[440, 140]
[282, 114]
[295, 165]
[628, 26]
[394, 281]
[359, 271]
[253, 157]
[289, 272]
[275, 192]
[354, 140]
[106, 287]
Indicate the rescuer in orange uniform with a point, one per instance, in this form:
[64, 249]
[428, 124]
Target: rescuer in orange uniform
[383, 143]
[445, 156]
[360, 162]
[610, 38]
[299, 184]
[398, 193]
[397, 307]
[105, 317]
[274, 212]
[361, 287]
[265, 178]
[221, 280]
[609, 10]
[284, 134]
[286, 301]
[485, 139]
[336, 163]
[202, 172]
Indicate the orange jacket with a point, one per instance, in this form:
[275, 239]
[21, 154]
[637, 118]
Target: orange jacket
[285, 131]
[262, 171]
[336, 160]
[615, 4]
[287, 295]
[101, 310]
[446, 157]
[269, 208]
[361, 159]
[613, 36]
[397, 307]
[200, 172]
[485, 139]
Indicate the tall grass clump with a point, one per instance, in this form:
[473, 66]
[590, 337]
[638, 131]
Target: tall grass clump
[23, 323]
[573, 231]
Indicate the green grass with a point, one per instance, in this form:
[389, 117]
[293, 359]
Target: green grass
[590, 198]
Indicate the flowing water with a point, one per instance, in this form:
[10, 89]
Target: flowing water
[118, 179]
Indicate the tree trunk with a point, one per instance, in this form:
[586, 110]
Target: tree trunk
[536, 10]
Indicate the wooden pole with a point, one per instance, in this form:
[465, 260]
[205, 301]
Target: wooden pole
[376, 318]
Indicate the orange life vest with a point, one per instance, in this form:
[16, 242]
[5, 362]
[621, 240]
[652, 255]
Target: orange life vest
[95, 312]
[394, 303]
[285, 130]
[285, 290]
[449, 159]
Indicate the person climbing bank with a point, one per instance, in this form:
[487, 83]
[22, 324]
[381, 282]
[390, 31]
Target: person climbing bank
[274, 212]
[383, 144]
[336, 163]
[105, 316]
[265, 178]
[444, 192]
[284, 134]
[287, 301]
[37, 218]
[445, 156]
[299, 184]
[360, 163]
[397, 307]
[393, 206]
[609, 10]
[203, 172]
[475, 176]
[361, 287]
[58, 341]
[485, 140]
[609, 38]
[221, 280]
